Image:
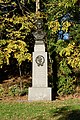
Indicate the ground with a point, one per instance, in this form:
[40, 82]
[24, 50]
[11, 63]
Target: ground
[26, 80]
[25, 98]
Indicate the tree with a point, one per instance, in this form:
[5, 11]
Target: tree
[65, 55]
[16, 40]
[17, 22]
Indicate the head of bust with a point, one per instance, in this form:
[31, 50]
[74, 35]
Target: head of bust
[39, 23]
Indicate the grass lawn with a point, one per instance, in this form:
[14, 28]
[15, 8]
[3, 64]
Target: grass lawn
[55, 110]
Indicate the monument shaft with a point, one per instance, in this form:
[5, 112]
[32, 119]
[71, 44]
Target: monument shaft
[39, 90]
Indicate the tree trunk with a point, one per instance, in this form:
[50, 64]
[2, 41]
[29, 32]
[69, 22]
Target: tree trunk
[37, 6]
[20, 77]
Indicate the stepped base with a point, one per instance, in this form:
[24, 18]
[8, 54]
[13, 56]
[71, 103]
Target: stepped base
[39, 94]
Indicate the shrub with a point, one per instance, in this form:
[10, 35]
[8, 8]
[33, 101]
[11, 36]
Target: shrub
[16, 91]
[1, 90]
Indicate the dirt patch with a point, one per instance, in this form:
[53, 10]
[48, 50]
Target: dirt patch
[16, 80]
[76, 95]
[14, 99]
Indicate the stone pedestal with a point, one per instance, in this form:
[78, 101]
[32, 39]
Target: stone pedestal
[39, 90]
[39, 94]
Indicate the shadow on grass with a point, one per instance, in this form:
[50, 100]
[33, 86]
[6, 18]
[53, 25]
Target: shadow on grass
[38, 118]
[62, 113]
[65, 113]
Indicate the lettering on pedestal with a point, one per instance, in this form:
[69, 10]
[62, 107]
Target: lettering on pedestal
[40, 60]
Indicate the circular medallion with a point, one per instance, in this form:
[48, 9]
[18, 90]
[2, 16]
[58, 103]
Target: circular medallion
[40, 60]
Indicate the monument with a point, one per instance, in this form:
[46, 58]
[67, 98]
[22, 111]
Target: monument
[39, 90]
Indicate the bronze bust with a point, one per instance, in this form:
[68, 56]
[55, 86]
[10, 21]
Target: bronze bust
[39, 34]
